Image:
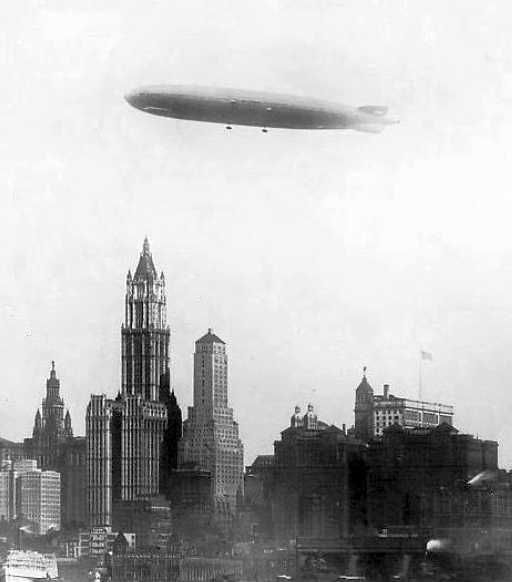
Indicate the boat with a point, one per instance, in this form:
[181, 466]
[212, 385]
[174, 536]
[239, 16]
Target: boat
[27, 566]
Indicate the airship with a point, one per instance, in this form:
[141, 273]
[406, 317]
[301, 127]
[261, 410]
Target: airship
[252, 108]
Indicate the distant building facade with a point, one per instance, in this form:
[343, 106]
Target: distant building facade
[375, 412]
[211, 441]
[7, 492]
[39, 499]
[10, 494]
[11, 451]
[125, 448]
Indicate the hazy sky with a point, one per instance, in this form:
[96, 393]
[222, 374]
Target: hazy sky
[311, 254]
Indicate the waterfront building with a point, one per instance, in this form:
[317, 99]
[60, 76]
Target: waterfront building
[420, 478]
[317, 480]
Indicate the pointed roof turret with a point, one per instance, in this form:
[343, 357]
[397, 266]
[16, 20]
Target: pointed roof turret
[210, 338]
[364, 386]
[36, 431]
[67, 424]
[145, 268]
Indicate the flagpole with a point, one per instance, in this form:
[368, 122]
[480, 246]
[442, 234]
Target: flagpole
[420, 379]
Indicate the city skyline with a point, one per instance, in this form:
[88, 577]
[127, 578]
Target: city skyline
[310, 255]
[145, 266]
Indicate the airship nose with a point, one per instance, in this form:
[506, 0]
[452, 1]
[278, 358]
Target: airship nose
[135, 98]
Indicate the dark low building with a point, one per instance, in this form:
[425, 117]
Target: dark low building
[191, 501]
[149, 519]
[313, 486]
[73, 482]
[255, 513]
[172, 434]
[419, 477]
[319, 480]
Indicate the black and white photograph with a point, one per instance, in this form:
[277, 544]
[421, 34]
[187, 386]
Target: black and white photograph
[256, 291]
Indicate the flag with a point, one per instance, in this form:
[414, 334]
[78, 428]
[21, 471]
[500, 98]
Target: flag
[426, 355]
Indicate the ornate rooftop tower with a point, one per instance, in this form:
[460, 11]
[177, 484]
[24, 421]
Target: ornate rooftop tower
[50, 427]
[364, 409]
[145, 333]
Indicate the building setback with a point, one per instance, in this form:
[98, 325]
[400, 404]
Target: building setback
[211, 443]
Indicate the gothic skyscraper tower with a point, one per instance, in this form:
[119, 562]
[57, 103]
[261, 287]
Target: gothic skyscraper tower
[125, 436]
[145, 333]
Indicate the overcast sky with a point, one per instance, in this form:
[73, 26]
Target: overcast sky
[311, 254]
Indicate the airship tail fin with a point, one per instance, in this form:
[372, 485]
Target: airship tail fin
[368, 127]
[373, 109]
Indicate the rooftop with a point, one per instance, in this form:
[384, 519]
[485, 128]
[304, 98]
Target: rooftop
[209, 338]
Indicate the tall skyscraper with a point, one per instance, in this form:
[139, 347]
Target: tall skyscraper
[98, 431]
[145, 334]
[124, 436]
[211, 439]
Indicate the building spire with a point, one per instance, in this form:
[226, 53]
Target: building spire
[145, 247]
[145, 269]
[52, 384]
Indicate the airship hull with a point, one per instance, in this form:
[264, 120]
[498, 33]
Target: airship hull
[232, 107]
